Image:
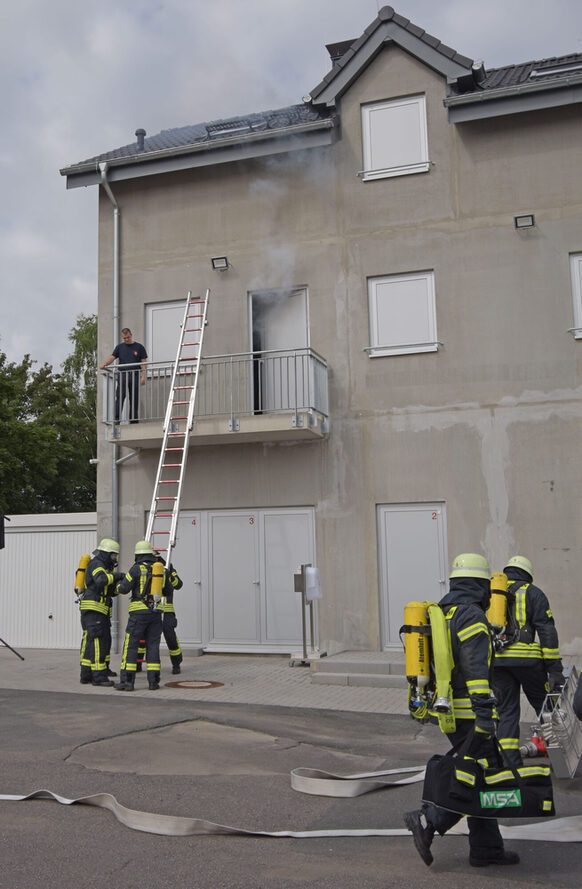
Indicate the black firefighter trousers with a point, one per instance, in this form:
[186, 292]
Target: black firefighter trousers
[146, 624]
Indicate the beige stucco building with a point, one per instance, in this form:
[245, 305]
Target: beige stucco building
[405, 251]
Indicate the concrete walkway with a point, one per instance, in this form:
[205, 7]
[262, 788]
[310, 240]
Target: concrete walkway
[241, 679]
[235, 679]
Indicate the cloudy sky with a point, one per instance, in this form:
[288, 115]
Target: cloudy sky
[79, 78]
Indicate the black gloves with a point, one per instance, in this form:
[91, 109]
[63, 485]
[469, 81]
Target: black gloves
[556, 682]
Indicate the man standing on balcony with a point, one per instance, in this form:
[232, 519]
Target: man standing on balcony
[130, 355]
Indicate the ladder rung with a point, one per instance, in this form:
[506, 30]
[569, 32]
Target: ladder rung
[165, 498]
[174, 449]
[169, 481]
[160, 532]
[163, 515]
[167, 465]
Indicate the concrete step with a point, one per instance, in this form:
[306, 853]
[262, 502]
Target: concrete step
[376, 669]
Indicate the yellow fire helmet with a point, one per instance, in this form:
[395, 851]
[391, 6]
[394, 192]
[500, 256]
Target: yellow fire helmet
[107, 545]
[470, 565]
[143, 548]
[520, 562]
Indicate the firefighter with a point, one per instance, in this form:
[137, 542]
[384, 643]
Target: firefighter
[527, 663]
[172, 582]
[144, 621]
[96, 605]
[464, 607]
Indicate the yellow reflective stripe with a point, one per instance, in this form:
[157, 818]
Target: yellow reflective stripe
[138, 605]
[92, 605]
[509, 743]
[462, 704]
[465, 777]
[529, 771]
[521, 649]
[550, 654]
[520, 605]
[469, 632]
[478, 687]
[547, 805]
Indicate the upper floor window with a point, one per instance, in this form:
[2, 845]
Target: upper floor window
[162, 330]
[576, 273]
[402, 314]
[394, 137]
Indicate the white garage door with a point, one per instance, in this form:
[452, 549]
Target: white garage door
[37, 573]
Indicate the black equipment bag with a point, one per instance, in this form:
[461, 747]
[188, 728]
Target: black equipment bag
[459, 783]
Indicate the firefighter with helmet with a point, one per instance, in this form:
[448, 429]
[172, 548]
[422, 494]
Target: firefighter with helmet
[144, 621]
[464, 607]
[528, 663]
[96, 602]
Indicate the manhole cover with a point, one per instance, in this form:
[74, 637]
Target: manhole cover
[194, 683]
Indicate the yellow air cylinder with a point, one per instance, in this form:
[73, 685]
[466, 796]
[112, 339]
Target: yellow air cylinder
[497, 613]
[80, 572]
[157, 579]
[416, 644]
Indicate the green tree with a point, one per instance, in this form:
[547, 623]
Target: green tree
[48, 430]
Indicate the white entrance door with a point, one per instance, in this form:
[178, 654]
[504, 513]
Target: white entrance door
[279, 323]
[413, 561]
[234, 583]
[237, 567]
[187, 559]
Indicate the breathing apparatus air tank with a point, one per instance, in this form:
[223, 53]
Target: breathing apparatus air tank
[158, 583]
[497, 613]
[416, 647]
[80, 573]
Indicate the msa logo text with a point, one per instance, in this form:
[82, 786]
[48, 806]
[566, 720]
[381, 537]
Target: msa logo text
[499, 799]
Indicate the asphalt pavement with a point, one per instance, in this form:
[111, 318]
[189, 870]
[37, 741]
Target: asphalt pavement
[221, 746]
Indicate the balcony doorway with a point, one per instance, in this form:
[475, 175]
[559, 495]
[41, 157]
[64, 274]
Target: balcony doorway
[279, 322]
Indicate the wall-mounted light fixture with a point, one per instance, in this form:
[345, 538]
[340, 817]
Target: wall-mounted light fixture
[220, 263]
[525, 221]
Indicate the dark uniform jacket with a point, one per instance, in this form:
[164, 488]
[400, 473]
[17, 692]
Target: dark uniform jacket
[171, 582]
[138, 582]
[101, 584]
[530, 615]
[464, 608]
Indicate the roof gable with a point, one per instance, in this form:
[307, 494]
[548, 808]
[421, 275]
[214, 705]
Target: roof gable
[388, 27]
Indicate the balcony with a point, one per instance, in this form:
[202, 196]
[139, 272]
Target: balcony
[245, 397]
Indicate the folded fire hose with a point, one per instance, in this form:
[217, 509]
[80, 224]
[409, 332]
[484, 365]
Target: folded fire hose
[313, 781]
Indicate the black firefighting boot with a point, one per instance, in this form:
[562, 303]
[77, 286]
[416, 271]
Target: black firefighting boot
[126, 681]
[176, 665]
[101, 679]
[422, 834]
[110, 672]
[85, 676]
[503, 856]
[153, 680]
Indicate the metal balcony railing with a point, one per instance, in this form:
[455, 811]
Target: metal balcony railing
[245, 383]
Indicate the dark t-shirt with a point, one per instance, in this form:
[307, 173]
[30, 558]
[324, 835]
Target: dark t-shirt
[130, 353]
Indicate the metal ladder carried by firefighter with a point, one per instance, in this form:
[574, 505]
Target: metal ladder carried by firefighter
[165, 506]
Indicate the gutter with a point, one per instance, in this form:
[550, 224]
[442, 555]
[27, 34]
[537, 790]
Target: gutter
[199, 147]
[510, 92]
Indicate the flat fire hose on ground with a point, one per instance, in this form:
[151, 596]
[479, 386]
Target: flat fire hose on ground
[558, 830]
